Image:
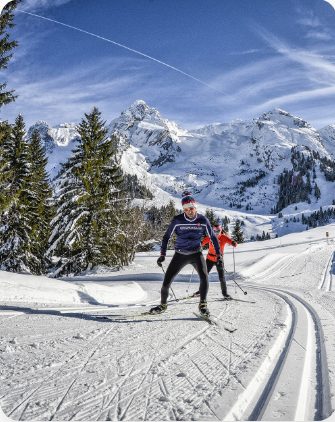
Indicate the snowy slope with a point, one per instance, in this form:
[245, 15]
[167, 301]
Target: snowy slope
[59, 143]
[231, 167]
[62, 363]
[328, 138]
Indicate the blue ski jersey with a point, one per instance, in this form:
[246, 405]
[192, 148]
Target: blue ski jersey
[189, 234]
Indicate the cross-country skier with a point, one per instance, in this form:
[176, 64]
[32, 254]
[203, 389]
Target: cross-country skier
[189, 227]
[212, 260]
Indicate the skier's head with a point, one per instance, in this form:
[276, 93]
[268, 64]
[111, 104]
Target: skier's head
[189, 204]
[187, 200]
[217, 229]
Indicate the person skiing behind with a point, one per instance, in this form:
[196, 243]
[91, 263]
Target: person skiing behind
[211, 258]
[189, 227]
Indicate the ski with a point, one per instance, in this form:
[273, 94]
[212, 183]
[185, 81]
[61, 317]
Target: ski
[212, 321]
[206, 318]
[112, 317]
[236, 300]
[183, 298]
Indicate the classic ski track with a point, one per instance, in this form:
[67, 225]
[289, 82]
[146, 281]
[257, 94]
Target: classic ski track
[79, 372]
[326, 281]
[107, 408]
[279, 267]
[195, 339]
[322, 394]
[163, 361]
[124, 403]
[213, 379]
[137, 389]
[43, 382]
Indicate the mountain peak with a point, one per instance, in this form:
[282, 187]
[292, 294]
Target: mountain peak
[140, 110]
[283, 117]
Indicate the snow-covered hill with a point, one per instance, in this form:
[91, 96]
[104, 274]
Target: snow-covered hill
[61, 360]
[232, 166]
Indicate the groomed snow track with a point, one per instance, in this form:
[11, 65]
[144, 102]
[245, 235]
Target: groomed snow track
[173, 367]
[310, 398]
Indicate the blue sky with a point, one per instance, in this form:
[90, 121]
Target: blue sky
[249, 57]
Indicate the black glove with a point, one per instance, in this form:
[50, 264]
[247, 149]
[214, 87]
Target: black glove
[219, 262]
[160, 260]
[234, 244]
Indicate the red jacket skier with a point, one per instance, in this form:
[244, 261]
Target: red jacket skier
[211, 258]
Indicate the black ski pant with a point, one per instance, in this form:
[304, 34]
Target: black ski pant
[177, 263]
[220, 269]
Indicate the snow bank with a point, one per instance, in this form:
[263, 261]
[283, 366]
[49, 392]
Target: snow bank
[40, 289]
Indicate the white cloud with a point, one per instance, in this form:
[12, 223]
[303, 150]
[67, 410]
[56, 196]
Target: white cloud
[315, 66]
[41, 4]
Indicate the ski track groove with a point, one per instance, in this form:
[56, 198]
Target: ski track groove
[120, 413]
[49, 377]
[80, 371]
[124, 402]
[147, 401]
[322, 395]
[227, 366]
[116, 392]
[138, 388]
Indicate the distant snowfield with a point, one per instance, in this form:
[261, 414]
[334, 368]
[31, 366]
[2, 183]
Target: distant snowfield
[60, 362]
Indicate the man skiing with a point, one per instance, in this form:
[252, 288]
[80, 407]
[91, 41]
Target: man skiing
[189, 227]
[212, 260]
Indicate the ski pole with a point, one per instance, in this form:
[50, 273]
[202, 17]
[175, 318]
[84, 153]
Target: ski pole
[245, 292]
[177, 300]
[189, 283]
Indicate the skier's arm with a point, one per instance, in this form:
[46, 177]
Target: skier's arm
[229, 240]
[167, 236]
[205, 241]
[213, 238]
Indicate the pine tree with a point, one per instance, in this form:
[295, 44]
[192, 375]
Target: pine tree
[15, 252]
[213, 219]
[6, 22]
[91, 222]
[317, 192]
[237, 234]
[40, 209]
[225, 222]
[5, 134]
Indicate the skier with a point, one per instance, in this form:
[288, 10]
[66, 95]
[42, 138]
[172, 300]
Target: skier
[189, 227]
[211, 258]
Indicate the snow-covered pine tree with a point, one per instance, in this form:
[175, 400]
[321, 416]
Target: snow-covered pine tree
[15, 242]
[6, 22]
[237, 234]
[40, 208]
[225, 221]
[212, 217]
[5, 133]
[90, 226]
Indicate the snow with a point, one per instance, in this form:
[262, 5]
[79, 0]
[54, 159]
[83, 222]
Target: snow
[59, 362]
[24, 288]
[213, 162]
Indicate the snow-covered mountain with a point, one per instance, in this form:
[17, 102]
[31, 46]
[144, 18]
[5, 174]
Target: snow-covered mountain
[234, 165]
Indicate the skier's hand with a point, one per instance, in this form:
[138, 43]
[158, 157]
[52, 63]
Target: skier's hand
[234, 244]
[160, 260]
[219, 262]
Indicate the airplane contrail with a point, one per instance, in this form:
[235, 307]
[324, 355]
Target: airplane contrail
[123, 46]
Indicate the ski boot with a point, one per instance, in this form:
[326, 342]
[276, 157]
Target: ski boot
[158, 309]
[196, 294]
[226, 296]
[203, 310]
